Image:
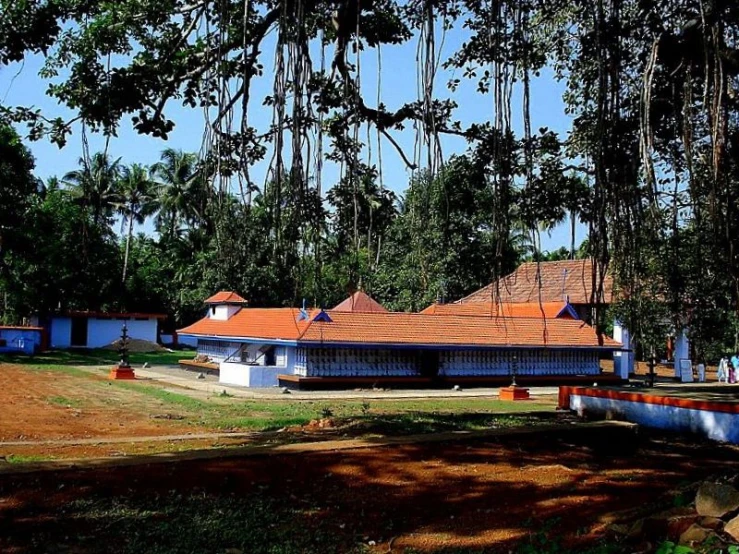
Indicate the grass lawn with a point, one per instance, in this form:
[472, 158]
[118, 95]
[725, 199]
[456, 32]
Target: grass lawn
[87, 391]
[98, 356]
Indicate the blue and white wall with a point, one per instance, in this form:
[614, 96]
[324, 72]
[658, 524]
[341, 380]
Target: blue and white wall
[715, 420]
[244, 364]
[102, 331]
[19, 339]
[356, 362]
[528, 362]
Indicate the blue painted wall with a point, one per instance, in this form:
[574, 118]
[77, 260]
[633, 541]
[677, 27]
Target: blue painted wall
[61, 332]
[27, 341]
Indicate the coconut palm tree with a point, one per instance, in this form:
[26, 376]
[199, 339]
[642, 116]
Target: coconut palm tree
[137, 200]
[180, 191]
[95, 185]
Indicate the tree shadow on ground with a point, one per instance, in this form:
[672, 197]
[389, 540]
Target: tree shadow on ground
[482, 495]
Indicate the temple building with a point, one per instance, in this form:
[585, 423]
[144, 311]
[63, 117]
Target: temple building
[360, 342]
[548, 284]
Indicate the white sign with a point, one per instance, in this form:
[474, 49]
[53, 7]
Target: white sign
[686, 370]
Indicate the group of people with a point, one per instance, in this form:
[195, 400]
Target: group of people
[728, 369]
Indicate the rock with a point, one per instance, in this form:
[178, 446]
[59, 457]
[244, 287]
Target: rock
[695, 534]
[712, 523]
[201, 375]
[716, 499]
[618, 529]
[637, 529]
[732, 528]
[285, 390]
[668, 524]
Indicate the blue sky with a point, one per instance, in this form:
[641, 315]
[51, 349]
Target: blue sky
[21, 85]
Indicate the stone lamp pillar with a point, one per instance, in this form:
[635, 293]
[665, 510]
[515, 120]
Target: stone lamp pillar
[122, 370]
[513, 391]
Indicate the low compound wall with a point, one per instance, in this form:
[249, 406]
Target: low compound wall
[249, 375]
[26, 340]
[715, 420]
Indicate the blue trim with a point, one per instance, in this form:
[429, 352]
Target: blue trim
[567, 308]
[392, 346]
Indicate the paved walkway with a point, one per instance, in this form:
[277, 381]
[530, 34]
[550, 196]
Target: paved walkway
[173, 375]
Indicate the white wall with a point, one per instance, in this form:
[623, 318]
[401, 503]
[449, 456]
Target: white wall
[682, 349]
[222, 312]
[101, 332]
[249, 375]
[61, 332]
[718, 426]
[623, 362]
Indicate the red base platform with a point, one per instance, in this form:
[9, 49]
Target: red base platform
[514, 393]
[121, 373]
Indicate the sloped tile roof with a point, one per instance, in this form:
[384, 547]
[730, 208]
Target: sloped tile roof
[402, 329]
[264, 323]
[548, 310]
[225, 297]
[360, 302]
[559, 280]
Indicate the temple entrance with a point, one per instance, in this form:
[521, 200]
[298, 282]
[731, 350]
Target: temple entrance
[79, 331]
[428, 363]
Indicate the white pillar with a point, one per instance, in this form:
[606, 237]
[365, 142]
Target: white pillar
[623, 362]
[682, 349]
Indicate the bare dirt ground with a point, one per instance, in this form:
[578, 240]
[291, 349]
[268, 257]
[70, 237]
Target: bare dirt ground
[39, 404]
[472, 496]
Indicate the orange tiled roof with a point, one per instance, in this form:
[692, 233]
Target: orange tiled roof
[225, 297]
[360, 302]
[264, 323]
[402, 329]
[548, 310]
[561, 279]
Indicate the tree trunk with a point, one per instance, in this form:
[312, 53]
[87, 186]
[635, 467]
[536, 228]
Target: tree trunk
[128, 248]
[572, 234]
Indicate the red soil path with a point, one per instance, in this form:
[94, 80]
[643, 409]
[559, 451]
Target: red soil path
[32, 408]
[479, 494]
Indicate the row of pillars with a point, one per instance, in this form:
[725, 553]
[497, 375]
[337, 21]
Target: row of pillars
[624, 362]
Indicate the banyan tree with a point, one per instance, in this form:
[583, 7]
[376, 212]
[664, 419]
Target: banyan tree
[650, 164]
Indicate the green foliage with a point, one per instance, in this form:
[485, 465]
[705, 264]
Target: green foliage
[669, 547]
[64, 401]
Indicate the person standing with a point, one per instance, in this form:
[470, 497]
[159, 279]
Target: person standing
[701, 372]
[721, 371]
[733, 368]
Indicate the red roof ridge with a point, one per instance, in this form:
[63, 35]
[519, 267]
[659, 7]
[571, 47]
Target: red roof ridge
[225, 297]
[360, 302]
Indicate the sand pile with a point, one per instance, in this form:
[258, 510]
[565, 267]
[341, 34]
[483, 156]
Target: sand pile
[137, 345]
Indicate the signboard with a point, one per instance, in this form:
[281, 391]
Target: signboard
[686, 370]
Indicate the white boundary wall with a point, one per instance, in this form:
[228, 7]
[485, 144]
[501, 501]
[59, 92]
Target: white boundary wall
[720, 426]
[249, 375]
